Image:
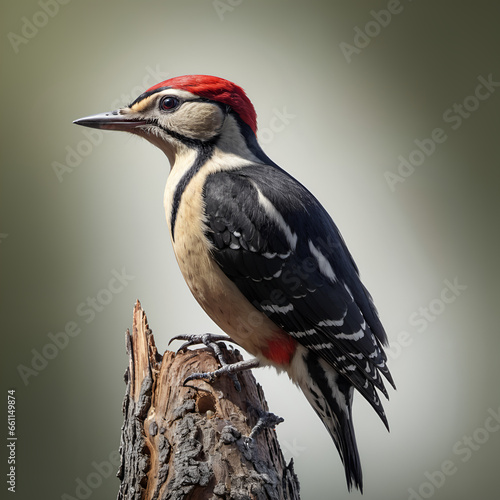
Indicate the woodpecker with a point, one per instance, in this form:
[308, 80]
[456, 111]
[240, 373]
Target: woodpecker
[259, 252]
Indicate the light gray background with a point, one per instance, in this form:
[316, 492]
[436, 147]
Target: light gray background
[60, 241]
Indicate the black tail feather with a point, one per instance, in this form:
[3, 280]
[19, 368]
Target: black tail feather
[330, 394]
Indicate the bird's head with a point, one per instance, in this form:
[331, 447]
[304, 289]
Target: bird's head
[182, 113]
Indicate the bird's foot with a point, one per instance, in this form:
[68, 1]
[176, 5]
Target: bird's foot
[266, 420]
[226, 369]
[210, 340]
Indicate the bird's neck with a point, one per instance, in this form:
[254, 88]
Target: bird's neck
[233, 147]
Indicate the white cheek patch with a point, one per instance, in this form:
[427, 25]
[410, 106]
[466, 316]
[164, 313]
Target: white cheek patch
[194, 118]
[197, 120]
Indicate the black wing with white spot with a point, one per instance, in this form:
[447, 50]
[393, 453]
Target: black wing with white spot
[280, 247]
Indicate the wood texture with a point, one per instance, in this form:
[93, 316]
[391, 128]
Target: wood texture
[192, 442]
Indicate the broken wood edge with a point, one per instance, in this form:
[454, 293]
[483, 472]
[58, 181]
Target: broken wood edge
[191, 442]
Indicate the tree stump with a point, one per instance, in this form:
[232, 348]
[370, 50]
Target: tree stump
[192, 442]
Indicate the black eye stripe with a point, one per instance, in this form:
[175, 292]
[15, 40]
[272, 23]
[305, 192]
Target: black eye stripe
[147, 94]
[171, 103]
[161, 89]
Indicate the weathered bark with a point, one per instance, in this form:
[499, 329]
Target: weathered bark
[191, 442]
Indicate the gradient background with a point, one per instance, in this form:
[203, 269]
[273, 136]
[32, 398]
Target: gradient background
[61, 240]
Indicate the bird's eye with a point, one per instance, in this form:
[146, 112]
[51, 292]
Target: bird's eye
[169, 103]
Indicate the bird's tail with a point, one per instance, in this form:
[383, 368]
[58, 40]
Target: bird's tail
[330, 394]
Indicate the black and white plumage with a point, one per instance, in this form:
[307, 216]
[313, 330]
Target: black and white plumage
[260, 253]
[308, 284]
[303, 278]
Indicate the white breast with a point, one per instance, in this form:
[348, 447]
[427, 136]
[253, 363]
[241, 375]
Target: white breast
[217, 294]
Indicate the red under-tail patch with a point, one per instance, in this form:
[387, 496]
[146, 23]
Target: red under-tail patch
[217, 89]
[280, 349]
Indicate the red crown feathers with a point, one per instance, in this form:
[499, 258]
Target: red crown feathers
[216, 89]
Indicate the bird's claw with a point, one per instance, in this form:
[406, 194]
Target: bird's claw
[195, 339]
[211, 377]
[207, 376]
[211, 341]
[266, 420]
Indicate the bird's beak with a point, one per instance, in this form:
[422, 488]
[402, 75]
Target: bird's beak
[112, 120]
